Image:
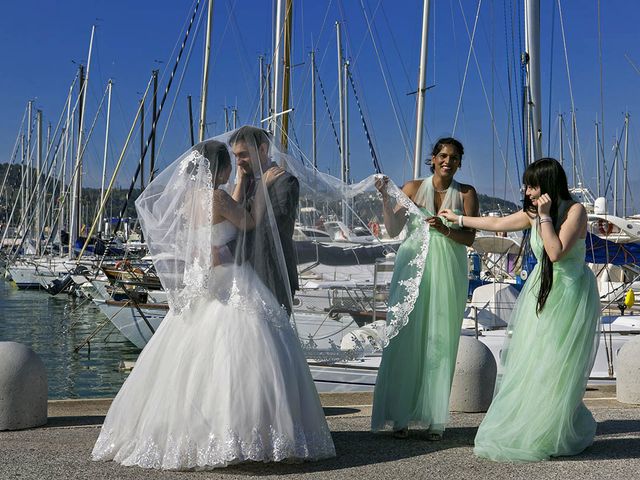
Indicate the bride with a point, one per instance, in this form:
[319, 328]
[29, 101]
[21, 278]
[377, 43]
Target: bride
[223, 379]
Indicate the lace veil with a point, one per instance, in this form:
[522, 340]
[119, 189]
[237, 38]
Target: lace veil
[214, 219]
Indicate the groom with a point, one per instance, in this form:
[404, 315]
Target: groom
[250, 146]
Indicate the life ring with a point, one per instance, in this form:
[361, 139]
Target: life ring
[123, 265]
[604, 228]
[374, 228]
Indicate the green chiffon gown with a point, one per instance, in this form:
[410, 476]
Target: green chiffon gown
[537, 410]
[415, 375]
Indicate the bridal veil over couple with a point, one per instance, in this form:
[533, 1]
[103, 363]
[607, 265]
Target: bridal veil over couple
[224, 379]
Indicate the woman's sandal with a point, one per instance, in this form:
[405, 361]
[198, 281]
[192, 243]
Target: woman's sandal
[402, 433]
[434, 436]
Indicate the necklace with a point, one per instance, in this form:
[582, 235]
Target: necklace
[439, 191]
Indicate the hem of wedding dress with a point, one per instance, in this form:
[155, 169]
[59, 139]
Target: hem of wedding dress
[186, 454]
[293, 459]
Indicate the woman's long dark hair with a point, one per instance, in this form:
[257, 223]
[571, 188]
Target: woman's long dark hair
[548, 174]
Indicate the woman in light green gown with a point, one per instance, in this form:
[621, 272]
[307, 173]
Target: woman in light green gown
[537, 410]
[415, 375]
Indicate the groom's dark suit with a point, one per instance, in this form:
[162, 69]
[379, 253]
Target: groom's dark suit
[260, 248]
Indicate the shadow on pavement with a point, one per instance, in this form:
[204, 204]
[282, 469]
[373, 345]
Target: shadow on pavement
[354, 449]
[75, 421]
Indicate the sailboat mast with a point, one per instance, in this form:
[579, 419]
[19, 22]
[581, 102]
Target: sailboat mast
[615, 175]
[534, 103]
[597, 159]
[422, 88]
[154, 121]
[314, 151]
[205, 74]
[262, 86]
[39, 198]
[28, 158]
[574, 139]
[77, 180]
[347, 160]
[106, 145]
[561, 137]
[625, 164]
[286, 80]
[343, 150]
[276, 70]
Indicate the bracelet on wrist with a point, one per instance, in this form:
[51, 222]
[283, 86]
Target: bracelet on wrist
[545, 220]
[460, 221]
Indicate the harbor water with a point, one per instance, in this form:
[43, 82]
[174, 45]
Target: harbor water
[54, 327]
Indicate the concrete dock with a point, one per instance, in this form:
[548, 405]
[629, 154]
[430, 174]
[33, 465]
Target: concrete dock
[61, 449]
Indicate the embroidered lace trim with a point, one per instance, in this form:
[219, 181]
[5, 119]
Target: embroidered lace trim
[183, 452]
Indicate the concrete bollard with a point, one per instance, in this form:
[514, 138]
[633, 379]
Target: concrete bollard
[628, 372]
[474, 378]
[23, 388]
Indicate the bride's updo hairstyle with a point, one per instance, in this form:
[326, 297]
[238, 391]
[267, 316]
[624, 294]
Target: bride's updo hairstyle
[217, 154]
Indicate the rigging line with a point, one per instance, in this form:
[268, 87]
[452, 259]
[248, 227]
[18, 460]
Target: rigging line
[179, 86]
[374, 157]
[510, 79]
[395, 45]
[616, 151]
[632, 64]
[15, 148]
[600, 67]
[408, 149]
[364, 37]
[314, 48]
[176, 45]
[516, 16]
[154, 124]
[48, 173]
[326, 103]
[466, 67]
[566, 57]
[394, 90]
[240, 45]
[484, 90]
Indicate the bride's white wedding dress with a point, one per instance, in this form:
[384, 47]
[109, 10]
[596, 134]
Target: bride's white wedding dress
[224, 381]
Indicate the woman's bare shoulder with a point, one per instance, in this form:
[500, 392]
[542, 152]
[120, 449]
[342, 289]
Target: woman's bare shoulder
[411, 187]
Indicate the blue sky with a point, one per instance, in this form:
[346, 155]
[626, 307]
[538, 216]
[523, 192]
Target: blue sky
[133, 38]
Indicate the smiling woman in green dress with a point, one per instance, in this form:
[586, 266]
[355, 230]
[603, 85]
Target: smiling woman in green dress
[414, 379]
[537, 410]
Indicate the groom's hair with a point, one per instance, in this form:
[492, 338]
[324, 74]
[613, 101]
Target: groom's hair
[250, 135]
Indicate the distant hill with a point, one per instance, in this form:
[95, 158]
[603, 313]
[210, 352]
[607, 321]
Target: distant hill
[494, 204]
[90, 197]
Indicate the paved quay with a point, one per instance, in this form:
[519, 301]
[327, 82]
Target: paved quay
[61, 449]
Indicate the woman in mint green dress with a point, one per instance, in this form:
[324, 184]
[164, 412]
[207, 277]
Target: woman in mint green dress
[537, 410]
[415, 375]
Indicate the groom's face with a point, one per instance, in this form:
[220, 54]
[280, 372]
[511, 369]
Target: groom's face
[243, 156]
[246, 156]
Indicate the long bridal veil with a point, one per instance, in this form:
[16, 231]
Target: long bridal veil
[355, 240]
[176, 211]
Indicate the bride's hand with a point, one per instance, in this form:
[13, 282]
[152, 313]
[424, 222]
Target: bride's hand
[449, 215]
[381, 184]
